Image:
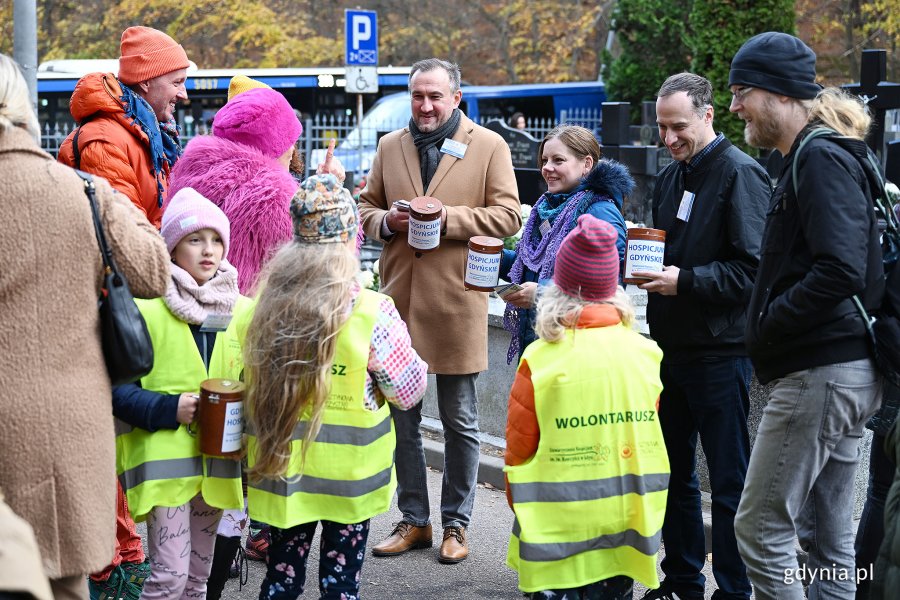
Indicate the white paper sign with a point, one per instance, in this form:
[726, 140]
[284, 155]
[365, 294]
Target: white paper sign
[234, 427]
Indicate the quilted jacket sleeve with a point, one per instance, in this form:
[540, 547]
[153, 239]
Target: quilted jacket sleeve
[111, 162]
[522, 431]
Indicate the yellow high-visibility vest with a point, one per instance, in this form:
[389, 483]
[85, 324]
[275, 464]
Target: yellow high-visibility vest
[590, 503]
[165, 467]
[349, 472]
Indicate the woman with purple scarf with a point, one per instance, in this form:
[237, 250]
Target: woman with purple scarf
[578, 182]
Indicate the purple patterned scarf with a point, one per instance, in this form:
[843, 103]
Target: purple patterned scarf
[538, 254]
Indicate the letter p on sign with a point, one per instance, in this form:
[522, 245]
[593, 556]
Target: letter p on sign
[361, 27]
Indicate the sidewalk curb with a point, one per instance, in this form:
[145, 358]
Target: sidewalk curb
[490, 468]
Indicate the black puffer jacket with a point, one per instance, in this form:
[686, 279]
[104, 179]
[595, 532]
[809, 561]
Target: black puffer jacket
[716, 251]
[820, 247]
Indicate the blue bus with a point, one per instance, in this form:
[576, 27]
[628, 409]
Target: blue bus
[310, 90]
[544, 103]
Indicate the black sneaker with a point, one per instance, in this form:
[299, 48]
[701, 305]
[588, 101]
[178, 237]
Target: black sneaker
[664, 593]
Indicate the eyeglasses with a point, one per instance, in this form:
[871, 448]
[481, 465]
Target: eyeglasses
[740, 93]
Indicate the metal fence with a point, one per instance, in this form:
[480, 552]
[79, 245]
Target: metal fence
[317, 131]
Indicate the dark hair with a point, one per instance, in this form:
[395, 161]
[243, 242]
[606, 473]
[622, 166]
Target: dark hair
[430, 64]
[514, 119]
[698, 89]
[576, 138]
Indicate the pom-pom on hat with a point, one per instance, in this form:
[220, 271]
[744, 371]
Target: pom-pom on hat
[777, 62]
[147, 53]
[260, 118]
[188, 212]
[587, 263]
[323, 212]
[241, 83]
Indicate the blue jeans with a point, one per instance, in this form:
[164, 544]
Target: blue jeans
[458, 408]
[709, 397]
[801, 481]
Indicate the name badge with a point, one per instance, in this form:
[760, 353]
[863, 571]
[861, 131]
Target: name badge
[215, 323]
[454, 148]
[687, 203]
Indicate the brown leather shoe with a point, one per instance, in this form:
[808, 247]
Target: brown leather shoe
[454, 548]
[405, 536]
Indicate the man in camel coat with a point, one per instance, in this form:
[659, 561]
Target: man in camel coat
[444, 155]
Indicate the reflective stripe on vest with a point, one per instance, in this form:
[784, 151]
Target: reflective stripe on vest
[560, 551]
[349, 472]
[164, 468]
[175, 468]
[333, 487]
[577, 491]
[571, 528]
[341, 434]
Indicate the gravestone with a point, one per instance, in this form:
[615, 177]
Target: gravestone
[878, 94]
[524, 151]
[522, 146]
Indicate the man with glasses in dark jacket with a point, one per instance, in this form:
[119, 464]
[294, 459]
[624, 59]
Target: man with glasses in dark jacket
[711, 203]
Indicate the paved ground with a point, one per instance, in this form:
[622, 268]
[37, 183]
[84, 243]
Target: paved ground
[418, 574]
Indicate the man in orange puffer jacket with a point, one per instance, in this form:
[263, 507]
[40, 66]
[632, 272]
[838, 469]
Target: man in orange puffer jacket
[127, 130]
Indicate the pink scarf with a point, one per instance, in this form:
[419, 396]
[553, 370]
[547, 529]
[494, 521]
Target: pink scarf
[192, 303]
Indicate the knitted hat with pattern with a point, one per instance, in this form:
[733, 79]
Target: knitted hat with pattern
[147, 53]
[323, 212]
[587, 263]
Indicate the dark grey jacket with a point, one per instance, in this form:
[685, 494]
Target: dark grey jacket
[820, 247]
[716, 250]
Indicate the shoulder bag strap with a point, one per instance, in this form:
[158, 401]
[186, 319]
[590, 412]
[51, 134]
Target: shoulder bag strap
[105, 252]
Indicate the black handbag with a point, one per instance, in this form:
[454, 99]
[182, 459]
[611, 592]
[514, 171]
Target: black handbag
[127, 347]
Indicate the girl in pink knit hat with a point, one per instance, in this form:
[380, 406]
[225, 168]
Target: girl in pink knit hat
[194, 328]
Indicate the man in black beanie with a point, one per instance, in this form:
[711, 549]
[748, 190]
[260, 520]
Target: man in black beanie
[804, 334]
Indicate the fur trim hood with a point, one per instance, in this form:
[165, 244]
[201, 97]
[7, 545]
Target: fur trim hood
[611, 179]
[253, 190]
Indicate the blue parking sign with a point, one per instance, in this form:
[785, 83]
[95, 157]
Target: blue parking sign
[361, 38]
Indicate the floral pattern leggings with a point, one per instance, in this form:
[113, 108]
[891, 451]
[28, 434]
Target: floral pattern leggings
[341, 553]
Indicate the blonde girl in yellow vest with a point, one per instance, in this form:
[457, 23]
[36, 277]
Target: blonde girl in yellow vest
[587, 469]
[180, 492]
[324, 358]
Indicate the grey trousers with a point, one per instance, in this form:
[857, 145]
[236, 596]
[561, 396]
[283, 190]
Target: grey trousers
[801, 482]
[458, 408]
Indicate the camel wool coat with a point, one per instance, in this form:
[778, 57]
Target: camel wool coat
[447, 323]
[57, 444]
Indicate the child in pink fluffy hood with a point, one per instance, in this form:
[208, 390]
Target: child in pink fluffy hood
[244, 169]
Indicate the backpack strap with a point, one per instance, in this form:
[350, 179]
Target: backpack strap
[818, 132]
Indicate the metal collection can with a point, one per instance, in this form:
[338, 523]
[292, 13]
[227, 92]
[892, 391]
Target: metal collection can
[425, 223]
[483, 263]
[645, 249]
[221, 416]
